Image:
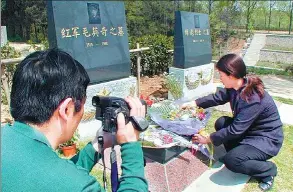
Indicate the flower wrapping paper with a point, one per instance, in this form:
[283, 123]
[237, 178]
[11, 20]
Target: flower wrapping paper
[188, 127]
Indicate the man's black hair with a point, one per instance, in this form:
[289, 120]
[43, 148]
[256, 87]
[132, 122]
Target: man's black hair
[42, 81]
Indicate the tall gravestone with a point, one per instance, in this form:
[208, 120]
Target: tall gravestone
[192, 69]
[95, 34]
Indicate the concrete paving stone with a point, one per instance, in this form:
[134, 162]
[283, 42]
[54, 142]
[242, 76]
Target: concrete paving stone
[252, 54]
[219, 179]
[285, 112]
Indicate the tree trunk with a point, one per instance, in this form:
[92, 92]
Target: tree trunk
[270, 15]
[10, 18]
[265, 21]
[247, 16]
[210, 6]
[27, 30]
[290, 24]
[36, 33]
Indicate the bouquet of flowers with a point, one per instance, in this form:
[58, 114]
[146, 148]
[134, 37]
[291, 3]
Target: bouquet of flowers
[156, 137]
[180, 121]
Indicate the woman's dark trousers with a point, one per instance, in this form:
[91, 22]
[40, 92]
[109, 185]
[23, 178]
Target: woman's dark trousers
[246, 159]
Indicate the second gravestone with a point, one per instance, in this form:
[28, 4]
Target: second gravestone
[193, 71]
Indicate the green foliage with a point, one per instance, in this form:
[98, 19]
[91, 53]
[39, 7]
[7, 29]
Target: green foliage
[8, 52]
[15, 38]
[284, 100]
[173, 85]
[278, 47]
[156, 60]
[266, 71]
[274, 65]
[289, 69]
[97, 172]
[3, 5]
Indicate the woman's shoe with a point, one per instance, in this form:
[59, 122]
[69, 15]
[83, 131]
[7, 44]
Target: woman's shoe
[266, 186]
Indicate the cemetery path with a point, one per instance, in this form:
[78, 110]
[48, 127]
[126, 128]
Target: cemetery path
[252, 54]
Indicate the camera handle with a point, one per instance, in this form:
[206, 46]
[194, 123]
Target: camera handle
[101, 142]
[113, 161]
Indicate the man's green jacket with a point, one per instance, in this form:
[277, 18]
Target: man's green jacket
[29, 163]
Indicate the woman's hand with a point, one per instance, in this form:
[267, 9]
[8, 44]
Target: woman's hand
[188, 104]
[201, 139]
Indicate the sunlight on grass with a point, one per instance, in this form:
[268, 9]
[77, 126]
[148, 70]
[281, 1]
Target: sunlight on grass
[284, 100]
[210, 128]
[276, 47]
[284, 162]
[97, 171]
[98, 174]
[270, 64]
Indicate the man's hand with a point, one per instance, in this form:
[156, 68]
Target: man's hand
[127, 133]
[188, 104]
[201, 139]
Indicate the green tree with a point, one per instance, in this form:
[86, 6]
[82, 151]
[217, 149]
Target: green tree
[272, 5]
[248, 9]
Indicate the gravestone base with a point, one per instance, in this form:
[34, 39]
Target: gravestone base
[176, 174]
[118, 88]
[194, 82]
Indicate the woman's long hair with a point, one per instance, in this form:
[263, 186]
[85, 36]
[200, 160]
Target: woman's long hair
[232, 64]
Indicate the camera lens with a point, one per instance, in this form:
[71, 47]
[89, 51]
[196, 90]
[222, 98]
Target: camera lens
[95, 101]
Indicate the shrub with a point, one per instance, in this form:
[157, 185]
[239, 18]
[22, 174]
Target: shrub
[265, 71]
[156, 60]
[8, 52]
[289, 69]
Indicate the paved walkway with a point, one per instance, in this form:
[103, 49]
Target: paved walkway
[219, 179]
[252, 54]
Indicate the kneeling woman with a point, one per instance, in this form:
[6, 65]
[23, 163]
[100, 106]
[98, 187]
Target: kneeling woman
[254, 134]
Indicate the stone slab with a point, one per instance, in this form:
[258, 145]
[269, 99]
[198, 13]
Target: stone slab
[3, 35]
[219, 179]
[194, 82]
[87, 130]
[285, 112]
[118, 88]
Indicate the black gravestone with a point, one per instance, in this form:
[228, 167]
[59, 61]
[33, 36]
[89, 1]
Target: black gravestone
[94, 33]
[192, 45]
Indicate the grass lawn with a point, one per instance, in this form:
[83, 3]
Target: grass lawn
[284, 100]
[276, 65]
[284, 160]
[96, 172]
[279, 48]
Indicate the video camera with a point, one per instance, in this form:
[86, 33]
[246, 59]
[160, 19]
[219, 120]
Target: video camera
[108, 108]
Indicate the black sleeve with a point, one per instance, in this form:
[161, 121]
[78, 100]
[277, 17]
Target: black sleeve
[219, 98]
[248, 113]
